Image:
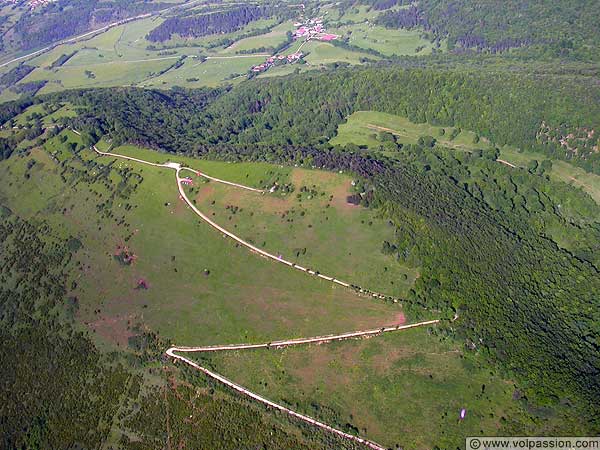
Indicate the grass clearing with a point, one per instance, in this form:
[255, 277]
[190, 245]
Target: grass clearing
[321, 53]
[386, 41]
[401, 389]
[317, 227]
[362, 128]
[212, 72]
[561, 171]
[319, 231]
[117, 73]
[242, 296]
[273, 38]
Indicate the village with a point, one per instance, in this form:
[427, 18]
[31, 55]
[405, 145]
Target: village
[32, 4]
[308, 30]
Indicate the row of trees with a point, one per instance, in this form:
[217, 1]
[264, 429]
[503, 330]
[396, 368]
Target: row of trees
[206, 24]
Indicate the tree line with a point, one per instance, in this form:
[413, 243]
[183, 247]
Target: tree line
[209, 23]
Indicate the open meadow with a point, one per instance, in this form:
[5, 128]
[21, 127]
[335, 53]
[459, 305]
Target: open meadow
[405, 389]
[363, 127]
[201, 288]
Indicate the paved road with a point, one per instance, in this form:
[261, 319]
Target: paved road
[172, 352]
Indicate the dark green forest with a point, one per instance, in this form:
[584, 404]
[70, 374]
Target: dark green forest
[565, 29]
[306, 109]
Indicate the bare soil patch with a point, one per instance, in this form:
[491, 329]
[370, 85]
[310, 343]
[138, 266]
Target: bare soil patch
[113, 329]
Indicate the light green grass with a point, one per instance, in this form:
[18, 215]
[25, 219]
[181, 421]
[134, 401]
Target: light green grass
[273, 38]
[561, 171]
[358, 13]
[111, 56]
[118, 57]
[211, 72]
[386, 41]
[404, 389]
[329, 236]
[204, 41]
[321, 53]
[286, 69]
[48, 119]
[362, 128]
[322, 232]
[245, 297]
[117, 73]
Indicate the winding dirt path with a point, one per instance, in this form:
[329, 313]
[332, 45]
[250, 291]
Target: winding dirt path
[178, 168]
[288, 343]
[173, 351]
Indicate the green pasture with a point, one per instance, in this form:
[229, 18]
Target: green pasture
[117, 73]
[321, 53]
[206, 41]
[120, 56]
[386, 41]
[273, 38]
[358, 13]
[403, 390]
[320, 231]
[212, 72]
[363, 127]
[49, 117]
[561, 170]
[202, 287]
[286, 69]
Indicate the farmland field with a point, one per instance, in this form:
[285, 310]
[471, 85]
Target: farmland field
[385, 41]
[273, 38]
[320, 53]
[212, 72]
